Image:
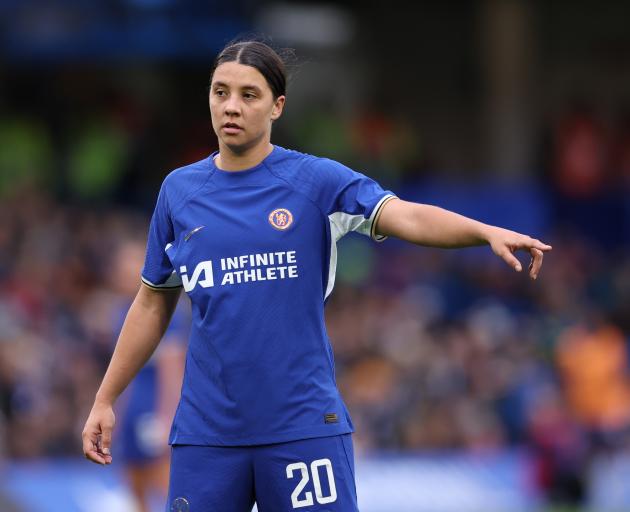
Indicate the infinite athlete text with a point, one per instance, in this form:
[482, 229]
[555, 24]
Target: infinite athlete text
[246, 268]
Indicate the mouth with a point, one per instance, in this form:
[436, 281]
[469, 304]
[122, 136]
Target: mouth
[231, 128]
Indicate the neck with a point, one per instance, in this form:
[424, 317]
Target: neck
[230, 160]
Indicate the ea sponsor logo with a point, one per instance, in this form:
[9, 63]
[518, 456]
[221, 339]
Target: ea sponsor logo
[281, 218]
[180, 505]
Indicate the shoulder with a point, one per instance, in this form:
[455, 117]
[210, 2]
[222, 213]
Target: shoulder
[184, 181]
[307, 168]
[188, 175]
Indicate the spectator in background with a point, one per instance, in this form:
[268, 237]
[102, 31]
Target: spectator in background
[26, 153]
[579, 160]
[592, 361]
[581, 174]
[149, 403]
[92, 177]
[559, 446]
[586, 414]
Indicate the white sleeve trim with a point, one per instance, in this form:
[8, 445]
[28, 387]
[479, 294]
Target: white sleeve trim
[375, 215]
[174, 281]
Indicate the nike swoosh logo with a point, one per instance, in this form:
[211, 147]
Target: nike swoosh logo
[192, 232]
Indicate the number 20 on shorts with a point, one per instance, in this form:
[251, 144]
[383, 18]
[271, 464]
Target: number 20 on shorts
[307, 500]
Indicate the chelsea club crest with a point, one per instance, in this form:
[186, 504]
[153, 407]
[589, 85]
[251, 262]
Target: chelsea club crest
[281, 218]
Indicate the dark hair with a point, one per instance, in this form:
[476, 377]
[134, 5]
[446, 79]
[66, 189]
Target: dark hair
[261, 56]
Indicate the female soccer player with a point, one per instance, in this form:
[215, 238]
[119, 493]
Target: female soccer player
[250, 233]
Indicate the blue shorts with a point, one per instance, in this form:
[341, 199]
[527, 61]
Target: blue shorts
[306, 475]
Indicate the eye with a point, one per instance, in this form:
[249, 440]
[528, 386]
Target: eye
[249, 95]
[219, 92]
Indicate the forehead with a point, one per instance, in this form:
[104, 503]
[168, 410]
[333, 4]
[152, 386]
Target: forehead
[239, 75]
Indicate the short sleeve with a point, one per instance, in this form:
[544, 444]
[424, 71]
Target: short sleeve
[352, 200]
[158, 272]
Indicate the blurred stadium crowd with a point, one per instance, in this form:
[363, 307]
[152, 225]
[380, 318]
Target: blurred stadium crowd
[435, 350]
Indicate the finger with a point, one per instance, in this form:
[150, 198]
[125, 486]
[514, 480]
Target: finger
[532, 243]
[542, 247]
[511, 260]
[90, 450]
[537, 260]
[106, 440]
[103, 451]
[96, 457]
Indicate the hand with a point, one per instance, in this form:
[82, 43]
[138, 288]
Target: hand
[97, 434]
[504, 242]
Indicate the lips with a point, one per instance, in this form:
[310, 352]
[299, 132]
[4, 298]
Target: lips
[231, 128]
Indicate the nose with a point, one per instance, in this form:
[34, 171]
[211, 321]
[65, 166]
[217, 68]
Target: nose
[232, 105]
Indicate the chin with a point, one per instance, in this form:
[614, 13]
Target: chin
[240, 147]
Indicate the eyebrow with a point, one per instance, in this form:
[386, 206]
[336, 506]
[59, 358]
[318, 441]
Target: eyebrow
[246, 86]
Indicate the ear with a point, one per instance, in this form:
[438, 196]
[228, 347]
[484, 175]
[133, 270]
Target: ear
[277, 107]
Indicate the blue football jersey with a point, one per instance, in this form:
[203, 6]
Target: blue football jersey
[255, 250]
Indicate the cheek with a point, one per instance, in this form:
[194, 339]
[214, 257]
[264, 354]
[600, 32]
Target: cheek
[264, 115]
[214, 111]
[264, 121]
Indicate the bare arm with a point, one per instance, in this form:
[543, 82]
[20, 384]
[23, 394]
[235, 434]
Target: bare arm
[144, 326]
[435, 227]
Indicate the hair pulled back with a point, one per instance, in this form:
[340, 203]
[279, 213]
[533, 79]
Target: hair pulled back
[261, 56]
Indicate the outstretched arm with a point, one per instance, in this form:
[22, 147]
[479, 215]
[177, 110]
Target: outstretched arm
[144, 326]
[435, 227]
